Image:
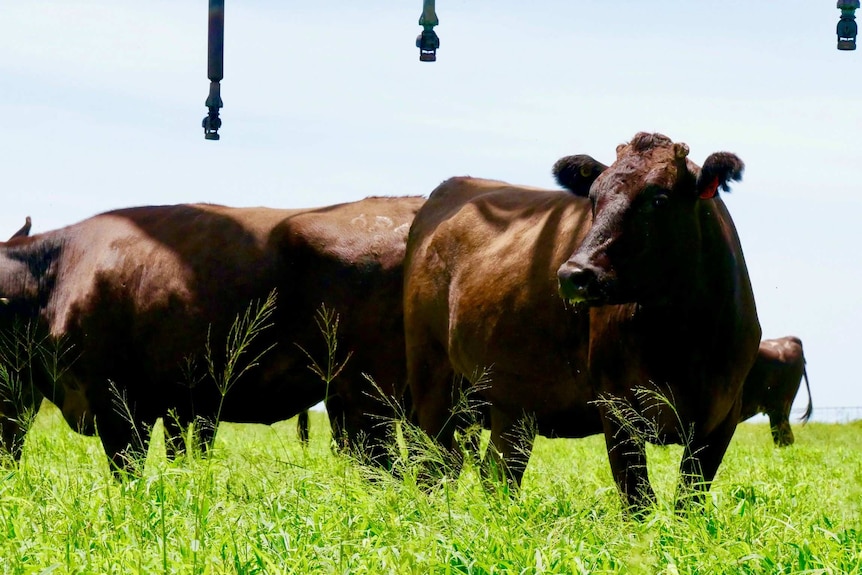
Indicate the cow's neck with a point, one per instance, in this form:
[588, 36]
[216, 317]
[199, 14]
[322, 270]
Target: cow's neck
[705, 298]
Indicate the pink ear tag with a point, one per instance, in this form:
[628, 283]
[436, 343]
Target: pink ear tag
[711, 190]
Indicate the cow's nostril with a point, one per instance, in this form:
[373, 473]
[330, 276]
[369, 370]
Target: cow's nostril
[576, 283]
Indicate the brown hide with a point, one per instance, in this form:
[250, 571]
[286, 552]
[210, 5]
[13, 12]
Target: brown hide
[134, 294]
[486, 264]
[772, 384]
[481, 296]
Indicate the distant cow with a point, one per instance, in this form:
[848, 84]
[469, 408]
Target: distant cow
[772, 384]
[656, 299]
[140, 303]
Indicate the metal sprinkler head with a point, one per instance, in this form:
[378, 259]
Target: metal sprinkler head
[847, 28]
[215, 68]
[427, 41]
[212, 122]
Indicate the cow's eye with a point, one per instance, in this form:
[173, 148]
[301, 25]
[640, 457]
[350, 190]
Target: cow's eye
[660, 200]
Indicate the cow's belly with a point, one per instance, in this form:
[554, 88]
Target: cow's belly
[524, 366]
[578, 421]
[278, 392]
[547, 389]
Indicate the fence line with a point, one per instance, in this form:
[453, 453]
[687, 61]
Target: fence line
[822, 415]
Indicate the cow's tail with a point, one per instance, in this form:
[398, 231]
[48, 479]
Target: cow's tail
[810, 409]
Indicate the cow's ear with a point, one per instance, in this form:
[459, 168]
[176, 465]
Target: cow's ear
[718, 171]
[24, 231]
[577, 173]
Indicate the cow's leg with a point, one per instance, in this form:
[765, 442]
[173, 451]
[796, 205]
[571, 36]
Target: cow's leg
[702, 455]
[175, 445]
[12, 436]
[205, 432]
[355, 430]
[335, 411]
[302, 427]
[430, 380]
[627, 456]
[16, 415]
[470, 428]
[125, 444]
[175, 435]
[779, 424]
[364, 436]
[373, 443]
[510, 447]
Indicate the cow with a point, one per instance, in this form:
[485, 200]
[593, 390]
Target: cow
[567, 312]
[772, 383]
[139, 308]
[18, 399]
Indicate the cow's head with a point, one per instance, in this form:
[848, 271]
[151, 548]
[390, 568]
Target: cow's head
[646, 229]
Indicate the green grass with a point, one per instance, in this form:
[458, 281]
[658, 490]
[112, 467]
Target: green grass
[263, 504]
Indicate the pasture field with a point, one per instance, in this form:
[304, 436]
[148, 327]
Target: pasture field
[263, 504]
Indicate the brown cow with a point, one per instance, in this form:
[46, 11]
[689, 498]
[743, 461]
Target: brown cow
[18, 399]
[772, 383]
[134, 297]
[655, 298]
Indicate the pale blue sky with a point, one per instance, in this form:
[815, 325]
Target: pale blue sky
[101, 103]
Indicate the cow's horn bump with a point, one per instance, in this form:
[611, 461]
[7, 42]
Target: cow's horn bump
[680, 151]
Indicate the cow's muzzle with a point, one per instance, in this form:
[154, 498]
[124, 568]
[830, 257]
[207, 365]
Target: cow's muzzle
[579, 284]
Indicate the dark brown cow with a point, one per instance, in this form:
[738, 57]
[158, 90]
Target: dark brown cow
[660, 304]
[772, 383]
[18, 399]
[133, 296]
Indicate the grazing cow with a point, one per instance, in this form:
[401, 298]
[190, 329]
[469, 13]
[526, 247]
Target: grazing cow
[772, 383]
[139, 304]
[655, 300]
[18, 399]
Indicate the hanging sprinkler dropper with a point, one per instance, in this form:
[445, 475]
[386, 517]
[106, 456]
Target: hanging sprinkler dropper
[215, 68]
[847, 24]
[427, 41]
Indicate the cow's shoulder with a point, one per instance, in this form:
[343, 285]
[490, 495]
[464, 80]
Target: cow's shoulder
[475, 203]
[461, 189]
